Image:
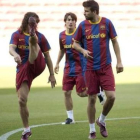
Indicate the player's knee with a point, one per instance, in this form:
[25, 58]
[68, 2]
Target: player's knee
[111, 98]
[22, 102]
[82, 94]
[92, 100]
[67, 93]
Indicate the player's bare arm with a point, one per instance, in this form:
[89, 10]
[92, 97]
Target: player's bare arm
[119, 66]
[50, 67]
[16, 56]
[85, 53]
[60, 56]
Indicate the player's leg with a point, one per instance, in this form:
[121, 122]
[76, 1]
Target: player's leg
[101, 97]
[68, 100]
[69, 107]
[91, 111]
[33, 41]
[81, 86]
[33, 49]
[22, 99]
[108, 104]
[92, 86]
[108, 84]
[68, 84]
[106, 109]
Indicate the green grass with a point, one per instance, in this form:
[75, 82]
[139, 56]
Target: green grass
[46, 105]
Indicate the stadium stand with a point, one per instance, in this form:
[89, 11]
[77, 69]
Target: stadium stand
[124, 13]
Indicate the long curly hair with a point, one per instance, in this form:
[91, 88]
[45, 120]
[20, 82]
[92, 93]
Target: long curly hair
[24, 23]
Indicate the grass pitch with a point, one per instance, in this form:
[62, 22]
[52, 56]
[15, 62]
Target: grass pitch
[46, 106]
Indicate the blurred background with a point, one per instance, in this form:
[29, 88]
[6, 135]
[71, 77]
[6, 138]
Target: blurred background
[125, 15]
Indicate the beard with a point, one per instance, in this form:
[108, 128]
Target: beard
[89, 18]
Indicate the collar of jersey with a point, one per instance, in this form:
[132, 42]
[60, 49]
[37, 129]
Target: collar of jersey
[70, 33]
[26, 34]
[96, 22]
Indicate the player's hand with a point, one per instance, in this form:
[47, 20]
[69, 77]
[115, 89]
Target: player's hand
[52, 80]
[86, 54]
[17, 59]
[56, 69]
[119, 67]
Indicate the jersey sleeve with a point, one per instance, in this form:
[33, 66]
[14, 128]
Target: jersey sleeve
[60, 42]
[14, 39]
[44, 44]
[78, 34]
[112, 31]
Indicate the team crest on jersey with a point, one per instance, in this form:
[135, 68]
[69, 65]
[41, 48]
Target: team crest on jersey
[102, 27]
[102, 35]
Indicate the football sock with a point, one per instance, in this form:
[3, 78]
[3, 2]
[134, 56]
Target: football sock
[92, 127]
[100, 93]
[70, 114]
[102, 118]
[27, 129]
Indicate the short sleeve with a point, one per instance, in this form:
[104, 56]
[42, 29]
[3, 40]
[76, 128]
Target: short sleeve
[60, 42]
[112, 31]
[14, 39]
[44, 44]
[78, 34]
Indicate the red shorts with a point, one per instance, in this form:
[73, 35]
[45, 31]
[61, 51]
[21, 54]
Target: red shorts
[28, 72]
[70, 81]
[103, 78]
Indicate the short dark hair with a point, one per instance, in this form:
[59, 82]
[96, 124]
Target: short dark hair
[24, 23]
[73, 16]
[94, 6]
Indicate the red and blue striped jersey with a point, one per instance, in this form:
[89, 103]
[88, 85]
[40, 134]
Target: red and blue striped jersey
[21, 40]
[73, 59]
[95, 38]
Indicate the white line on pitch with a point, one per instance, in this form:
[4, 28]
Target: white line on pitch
[8, 134]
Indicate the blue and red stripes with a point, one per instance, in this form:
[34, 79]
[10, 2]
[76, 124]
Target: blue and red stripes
[95, 37]
[73, 64]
